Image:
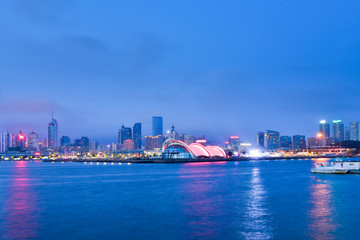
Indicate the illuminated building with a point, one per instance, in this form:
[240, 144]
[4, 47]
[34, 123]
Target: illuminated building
[52, 136]
[338, 130]
[173, 134]
[324, 129]
[314, 142]
[4, 142]
[137, 135]
[82, 144]
[174, 149]
[20, 140]
[354, 131]
[33, 141]
[152, 142]
[271, 140]
[285, 142]
[157, 126]
[65, 141]
[299, 142]
[347, 133]
[128, 145]
[260, 139]
[124, 134]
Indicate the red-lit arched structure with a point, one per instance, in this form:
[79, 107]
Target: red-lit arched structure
[194, 150]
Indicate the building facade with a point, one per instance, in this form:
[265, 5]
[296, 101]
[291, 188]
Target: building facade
[137, 137]
[157, 126]
[354, 131]
[324, 129]
[124, 133]
[33, 141]
[299, 142]
[260, 139]
[272, 140]
[52, 136]
[4, 142]
[285, 142]
[338, 131]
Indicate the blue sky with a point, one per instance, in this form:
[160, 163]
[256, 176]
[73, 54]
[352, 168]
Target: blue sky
[217, 68]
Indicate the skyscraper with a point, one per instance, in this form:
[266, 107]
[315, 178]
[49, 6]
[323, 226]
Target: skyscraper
[338, 131]
[65, 141]
[299, 142]
[33, 141]
[157, 126]
[124, 134]
[324, 129]
[4, 142]
[347, 133]
[52, 137]
[285, 142]
[20, 140]
[272, 140]
[354, 131]
[260, 139]
[137, 135]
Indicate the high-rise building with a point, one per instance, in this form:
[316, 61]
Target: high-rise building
[137, 135]
[347, 133]
[4, 142]
[285, 142]
[324, 129]
[299, 142]
[152, 142]
[65, 141]
[338, 131]
[124, 134]
[82, 144]
[272, 140]
[52, 136]
[33, 141]
[173, 134]
[354, 131]
[20, 140]
[314, 142]
[128, 144]
[260, 139]
[157, 126]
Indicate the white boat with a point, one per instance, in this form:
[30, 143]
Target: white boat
[321, 168]
[351, 166]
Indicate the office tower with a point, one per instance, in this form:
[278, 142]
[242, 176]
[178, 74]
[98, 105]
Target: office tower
[157, 126]
[347, 133]
[12, 140]
[52, 137]
[299, 142]
[4, 142]
[260, 139]
[82, 144]
[33, 141]
[65, 141]
[137, 135]
[338, 131]
[272, 140]
[324, 129]
[20, 140]
[285, 142]
[354, 131]
[124, 134]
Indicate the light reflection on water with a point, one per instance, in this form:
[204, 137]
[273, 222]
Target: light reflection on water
[256, 223]
[20, 211]
[322, 225]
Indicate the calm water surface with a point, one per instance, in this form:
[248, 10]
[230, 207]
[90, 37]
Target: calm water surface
[233, 200]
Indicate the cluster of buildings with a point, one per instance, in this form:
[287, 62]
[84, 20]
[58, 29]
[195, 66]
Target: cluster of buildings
[272, 141]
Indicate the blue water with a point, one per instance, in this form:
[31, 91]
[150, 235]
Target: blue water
[233, 200]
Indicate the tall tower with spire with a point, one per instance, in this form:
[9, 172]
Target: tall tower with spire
[52, 137]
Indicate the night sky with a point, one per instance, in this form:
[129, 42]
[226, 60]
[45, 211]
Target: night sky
[217, 68]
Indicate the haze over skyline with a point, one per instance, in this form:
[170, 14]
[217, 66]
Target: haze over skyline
[210, 68]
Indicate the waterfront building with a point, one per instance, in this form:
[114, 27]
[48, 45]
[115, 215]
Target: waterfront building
[299, 142]
[175, 149]
[20, 141]
[285, 142]
[157, 126]
[338, 131]
[52, 136]
[271, 140]
[173, 134]
[128, 145]
[65, 141]
[152, 142]
[33, 141]
[4, 142]
[324, 129]
[137, 135]
[124, 134]
[314, 142]
[82, 144]
[354, 131]
[260, 139]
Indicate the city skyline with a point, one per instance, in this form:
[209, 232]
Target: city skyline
[223, 72]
